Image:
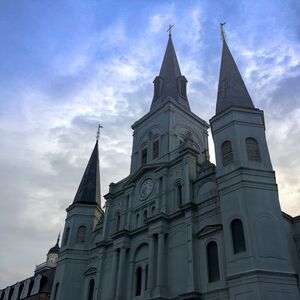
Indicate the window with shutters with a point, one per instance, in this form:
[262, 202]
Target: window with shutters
[155, 149]
[238, 238]
[227, 155]
[80, 239]
[252, 149]
[212, 262]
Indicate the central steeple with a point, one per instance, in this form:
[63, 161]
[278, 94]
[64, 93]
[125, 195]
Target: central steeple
[170, 83]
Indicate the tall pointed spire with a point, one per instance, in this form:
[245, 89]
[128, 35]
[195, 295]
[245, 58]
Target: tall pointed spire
[231, 90]
[89, 188]
[170, 82]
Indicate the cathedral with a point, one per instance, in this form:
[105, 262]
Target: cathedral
[179, 226]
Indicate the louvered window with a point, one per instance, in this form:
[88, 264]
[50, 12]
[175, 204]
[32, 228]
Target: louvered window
[252, 149]
[81, 235]
[227, 155]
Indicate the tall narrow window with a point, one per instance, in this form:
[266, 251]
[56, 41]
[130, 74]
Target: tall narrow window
[80, 239]
[56, 291]
[137, 220]
[212, 262]
[66, 236]
[144, 156]
[227, 155]
[91, 290]
[252, 149]
[182, 86]
[155, 149]
[118, 222]
[11, 291]
[179, 195]
[145, 216]
[138, 285]
[238, 238]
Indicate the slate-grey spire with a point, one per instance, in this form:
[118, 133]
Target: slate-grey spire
[231, 90]
[170, 82]
[89, 189]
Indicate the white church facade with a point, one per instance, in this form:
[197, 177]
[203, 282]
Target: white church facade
[180, 227]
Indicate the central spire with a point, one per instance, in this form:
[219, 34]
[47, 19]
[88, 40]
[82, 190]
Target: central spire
[170, 82]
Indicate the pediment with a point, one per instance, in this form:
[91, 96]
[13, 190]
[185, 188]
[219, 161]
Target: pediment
[208, 230]
[144, 169]
[90, 271]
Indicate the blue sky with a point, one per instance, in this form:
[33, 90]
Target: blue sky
[66, 65]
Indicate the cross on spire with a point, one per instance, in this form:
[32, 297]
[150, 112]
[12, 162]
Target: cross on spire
[223, 32]
[170, 29]
[98, 132]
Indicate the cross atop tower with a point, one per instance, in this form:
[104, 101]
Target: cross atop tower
[98, 132]
[223, 32]
[170, 29]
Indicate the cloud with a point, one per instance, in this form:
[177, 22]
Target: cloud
[67, 68]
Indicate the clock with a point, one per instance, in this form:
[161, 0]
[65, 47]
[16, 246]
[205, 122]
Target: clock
[146, 188]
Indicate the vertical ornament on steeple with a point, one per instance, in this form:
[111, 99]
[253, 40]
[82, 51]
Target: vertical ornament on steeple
[232, 91]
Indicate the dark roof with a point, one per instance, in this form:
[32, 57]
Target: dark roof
[231, 90]
[55, 248]
[169, 73]
[89, 188]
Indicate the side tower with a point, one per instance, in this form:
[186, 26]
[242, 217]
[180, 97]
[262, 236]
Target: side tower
[258, 261]
[82, 217]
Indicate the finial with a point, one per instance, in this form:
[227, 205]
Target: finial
[222, 32]
[170, 30]
[98, 132]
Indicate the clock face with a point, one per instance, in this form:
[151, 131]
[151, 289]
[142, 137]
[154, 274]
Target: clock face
[146, 188]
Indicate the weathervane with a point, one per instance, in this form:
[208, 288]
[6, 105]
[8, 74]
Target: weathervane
[222, 32]
[98, 132]
[170, 29]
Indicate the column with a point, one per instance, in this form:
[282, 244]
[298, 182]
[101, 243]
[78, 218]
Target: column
[163, 194]
[114, 273]
[160, 259]
[151, 262]
[121, 272]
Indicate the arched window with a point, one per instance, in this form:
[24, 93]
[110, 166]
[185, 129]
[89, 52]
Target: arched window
[252, 149]
[80, 239]
[137, 219]
[238, 238]
[212, 262]
[179, 195]
[66, 236]
[56, 291]
[182, 86]
[145, 216]
[157, 87]
[138, 284]
[91, 290]
[227, 155]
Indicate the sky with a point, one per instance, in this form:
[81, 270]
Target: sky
[68, 65]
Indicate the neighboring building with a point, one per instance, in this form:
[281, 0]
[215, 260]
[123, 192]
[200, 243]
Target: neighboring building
[37, 287]
[180, 227]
